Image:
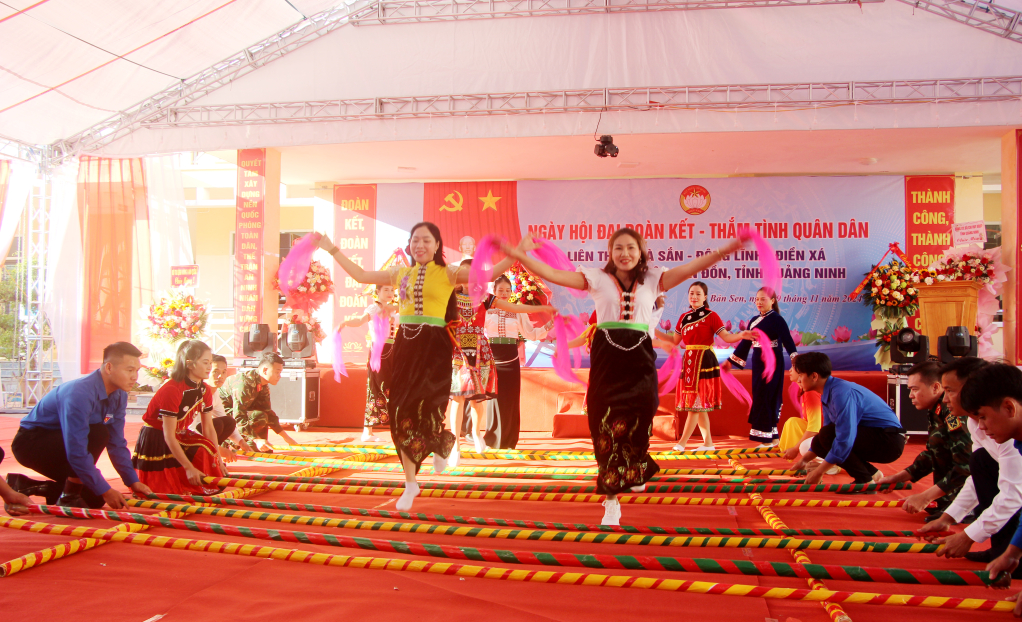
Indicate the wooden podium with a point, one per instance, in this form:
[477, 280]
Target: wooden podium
[951, 303]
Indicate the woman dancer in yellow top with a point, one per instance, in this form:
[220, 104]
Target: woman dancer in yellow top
[423, 349]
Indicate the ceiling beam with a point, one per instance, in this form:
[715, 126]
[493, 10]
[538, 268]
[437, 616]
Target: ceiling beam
[732, 97]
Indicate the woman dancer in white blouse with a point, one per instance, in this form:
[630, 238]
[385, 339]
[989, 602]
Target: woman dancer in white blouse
[503, 329]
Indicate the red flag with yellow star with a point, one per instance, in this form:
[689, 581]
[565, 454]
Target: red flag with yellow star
[472, 209]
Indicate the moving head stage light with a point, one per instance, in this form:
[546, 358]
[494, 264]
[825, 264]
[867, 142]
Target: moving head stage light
[908, 348]
[606, 147]
[956, 343]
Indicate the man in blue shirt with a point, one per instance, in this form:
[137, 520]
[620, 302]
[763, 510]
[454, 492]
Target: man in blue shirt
[67, 431]
[993, 398]
[858, 426]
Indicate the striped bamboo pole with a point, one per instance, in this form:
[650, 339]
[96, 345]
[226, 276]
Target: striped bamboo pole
[428, 470]
[577, 560]
[349, 464]
[507, 574]
[651, 488]
[836, 613]
[501, 454]
[561, 497]
[549, 535]
[66, 549]
[748, 452]
[523, 524]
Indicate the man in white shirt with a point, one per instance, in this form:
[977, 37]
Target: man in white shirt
[993, 491]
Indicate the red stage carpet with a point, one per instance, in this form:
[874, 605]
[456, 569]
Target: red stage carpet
[123, 582]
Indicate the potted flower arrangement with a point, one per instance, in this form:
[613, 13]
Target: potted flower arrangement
[172, 318]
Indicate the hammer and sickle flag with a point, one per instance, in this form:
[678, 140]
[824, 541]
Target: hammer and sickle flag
[472, 209]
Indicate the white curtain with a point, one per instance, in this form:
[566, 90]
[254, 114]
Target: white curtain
[63, 298]
[170, 240]
[19, 185]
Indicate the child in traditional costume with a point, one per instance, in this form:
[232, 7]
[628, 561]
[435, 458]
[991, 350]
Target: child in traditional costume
[622, 397]
[169, 457]
[378, 382]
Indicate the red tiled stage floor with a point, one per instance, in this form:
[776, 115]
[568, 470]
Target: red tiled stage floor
[123, 582]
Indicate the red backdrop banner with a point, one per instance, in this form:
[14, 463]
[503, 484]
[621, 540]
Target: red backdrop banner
[248, 243]
[929, 214]
[355, 235]
[472, 209]
[111, 195]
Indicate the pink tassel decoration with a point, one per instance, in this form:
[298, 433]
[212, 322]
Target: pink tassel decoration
[766, 351]
[554, 257]
[562, 358]
[769, 268]
[379, 328]
[339, 369]
[670, 372]
[480, 273]
[795, 401]
[735, 388]
[295, 266]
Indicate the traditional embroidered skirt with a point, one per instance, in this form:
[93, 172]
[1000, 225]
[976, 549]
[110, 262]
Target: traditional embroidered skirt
[503, 415]
[420, 388]
[621, 402]
[159, 470]
[474, 376]
[766, 397]
[699, 386]
[377, 387]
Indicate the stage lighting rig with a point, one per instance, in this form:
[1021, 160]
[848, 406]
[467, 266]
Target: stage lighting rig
[907, 349]
[606, 147]
[955, 343]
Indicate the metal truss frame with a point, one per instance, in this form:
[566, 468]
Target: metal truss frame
[11, 148]
[366, 13]
[712, 97]
[986, 16]
[38, 339]
[406, 11]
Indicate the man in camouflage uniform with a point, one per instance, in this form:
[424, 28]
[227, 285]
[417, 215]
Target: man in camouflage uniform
[948, 447]
[246, 397]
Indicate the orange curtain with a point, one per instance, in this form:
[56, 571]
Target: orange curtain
[111, 198]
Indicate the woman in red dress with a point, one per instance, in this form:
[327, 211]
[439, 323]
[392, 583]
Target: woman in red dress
[698, 391]
[169, 457]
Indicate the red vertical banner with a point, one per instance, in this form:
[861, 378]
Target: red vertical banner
[355, 235]
[110, 194]
[472, 209]
[248, 243]
[929, 216]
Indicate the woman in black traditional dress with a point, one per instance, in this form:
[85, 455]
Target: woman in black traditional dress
[622, 397]
[378, 382]
[766, 395]
[423, 351]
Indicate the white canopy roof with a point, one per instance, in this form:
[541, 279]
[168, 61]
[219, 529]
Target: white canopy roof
[55, 85]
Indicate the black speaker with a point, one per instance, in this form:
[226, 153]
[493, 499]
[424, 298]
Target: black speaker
[295, 398]
[915, 421]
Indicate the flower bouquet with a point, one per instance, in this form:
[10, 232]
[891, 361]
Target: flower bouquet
[891, 290]
[175, 316]
[313, 290]
[159, 373]
[528, 289]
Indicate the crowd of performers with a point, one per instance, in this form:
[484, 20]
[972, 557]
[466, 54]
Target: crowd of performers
[445, 354]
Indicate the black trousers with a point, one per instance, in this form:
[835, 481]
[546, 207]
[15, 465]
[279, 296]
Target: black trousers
[43, 452]
[985, 471]
[223, 426]
[883, 445]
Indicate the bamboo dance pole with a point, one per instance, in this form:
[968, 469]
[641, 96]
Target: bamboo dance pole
[655, 488]
[501, 454]
[576, 560]
[521, 524]
[507, 574]
[746, 452]
[66, 549]
[561, 497]
[353, 465]
[565, 536]
[836, 613]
